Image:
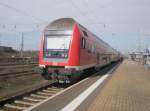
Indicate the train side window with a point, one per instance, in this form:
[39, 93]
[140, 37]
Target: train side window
[89, 48]
[92, 49]
[83, 43]
[85, 33]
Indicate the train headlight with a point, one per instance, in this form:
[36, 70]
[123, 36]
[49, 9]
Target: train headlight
[65, 55]
[62, 55]
[48, 54]
[42, 66]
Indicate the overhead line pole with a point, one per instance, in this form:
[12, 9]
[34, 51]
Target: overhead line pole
[22, 44]
[0, 39]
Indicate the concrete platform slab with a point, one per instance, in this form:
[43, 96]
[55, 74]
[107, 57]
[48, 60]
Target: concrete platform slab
[127, 90]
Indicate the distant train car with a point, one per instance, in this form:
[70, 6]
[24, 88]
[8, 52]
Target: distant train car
[67, 49]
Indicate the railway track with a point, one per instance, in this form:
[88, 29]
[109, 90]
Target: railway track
[31, 98]
[16, 74]
[16, 70]
[16, 64]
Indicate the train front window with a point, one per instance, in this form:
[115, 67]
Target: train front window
[55, 42]
[56, 46]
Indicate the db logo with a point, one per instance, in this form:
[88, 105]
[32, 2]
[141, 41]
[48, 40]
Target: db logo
[55, 63]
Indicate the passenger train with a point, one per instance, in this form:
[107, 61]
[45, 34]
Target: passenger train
[68, 49]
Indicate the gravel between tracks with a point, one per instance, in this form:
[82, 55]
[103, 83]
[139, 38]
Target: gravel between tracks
[16, 85]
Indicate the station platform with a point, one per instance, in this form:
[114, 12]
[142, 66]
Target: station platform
[127, 90]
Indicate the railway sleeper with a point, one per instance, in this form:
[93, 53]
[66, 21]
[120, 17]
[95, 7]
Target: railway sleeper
[24, 103]
[32, 99]
[38, 96]
[49, 91]
[55, 88]
[11, 107]
[43, 93]
[52, 91]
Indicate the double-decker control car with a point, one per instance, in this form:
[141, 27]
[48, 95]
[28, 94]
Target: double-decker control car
[67, 49]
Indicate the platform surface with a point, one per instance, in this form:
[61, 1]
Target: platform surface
[127, 90]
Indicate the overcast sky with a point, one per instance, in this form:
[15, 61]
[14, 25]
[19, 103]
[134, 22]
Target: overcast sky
[121, 23]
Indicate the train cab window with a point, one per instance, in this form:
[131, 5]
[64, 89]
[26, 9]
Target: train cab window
[83, 43]
[56, 44]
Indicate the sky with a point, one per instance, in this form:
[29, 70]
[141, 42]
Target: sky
[124, 24]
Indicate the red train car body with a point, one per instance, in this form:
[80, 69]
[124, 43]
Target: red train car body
[67, 49]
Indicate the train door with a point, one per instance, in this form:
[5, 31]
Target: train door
[98, 58]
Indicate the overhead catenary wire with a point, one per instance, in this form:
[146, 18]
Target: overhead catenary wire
[21, 12]
[92, 12]
[90, 22]
[21, 27]
[37, 24]
[14, 26]
[84, 15]
[40, 21]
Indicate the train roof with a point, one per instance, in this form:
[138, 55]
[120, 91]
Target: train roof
[61, 24]
[67, 24]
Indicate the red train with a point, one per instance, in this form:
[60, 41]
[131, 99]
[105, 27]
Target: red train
[67, 49]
